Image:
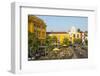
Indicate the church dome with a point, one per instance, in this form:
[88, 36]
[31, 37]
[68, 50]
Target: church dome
[73, 29]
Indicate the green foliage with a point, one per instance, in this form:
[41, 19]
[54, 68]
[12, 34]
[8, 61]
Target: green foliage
[78, 30]
[86, 42]
[78, 41]
[48, 40]
[66, 42]
[33, 42]
[54, 39]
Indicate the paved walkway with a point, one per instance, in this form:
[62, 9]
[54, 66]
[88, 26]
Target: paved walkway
[74, 55]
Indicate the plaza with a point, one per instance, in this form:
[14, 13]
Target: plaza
[45, 45]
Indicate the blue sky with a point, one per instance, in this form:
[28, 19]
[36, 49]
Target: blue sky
[64, 23]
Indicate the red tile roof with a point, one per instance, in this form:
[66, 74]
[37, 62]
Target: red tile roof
[56, 32]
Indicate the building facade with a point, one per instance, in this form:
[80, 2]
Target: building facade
[71, 35]
[59, 35]
[74, 34]
[38, 27]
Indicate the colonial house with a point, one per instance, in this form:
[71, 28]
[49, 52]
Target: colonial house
[38, 27]
[71, 35]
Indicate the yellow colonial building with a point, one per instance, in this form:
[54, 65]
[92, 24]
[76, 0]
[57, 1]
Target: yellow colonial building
[37, 26]
[71, 35]
[59, 35]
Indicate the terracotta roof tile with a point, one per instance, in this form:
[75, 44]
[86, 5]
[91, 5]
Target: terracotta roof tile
[56, 32]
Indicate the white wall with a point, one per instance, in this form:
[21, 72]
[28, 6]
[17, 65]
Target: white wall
[5, 42]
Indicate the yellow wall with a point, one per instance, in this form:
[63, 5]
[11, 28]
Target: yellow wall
[76, 37]
[31, 27]
[38, 29]
[61, 37]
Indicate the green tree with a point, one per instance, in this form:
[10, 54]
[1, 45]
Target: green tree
[54, 39]
[86, 42]
[33, 43]
[66, 41]
[78, 41]
[78, 30]
[48, 40]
